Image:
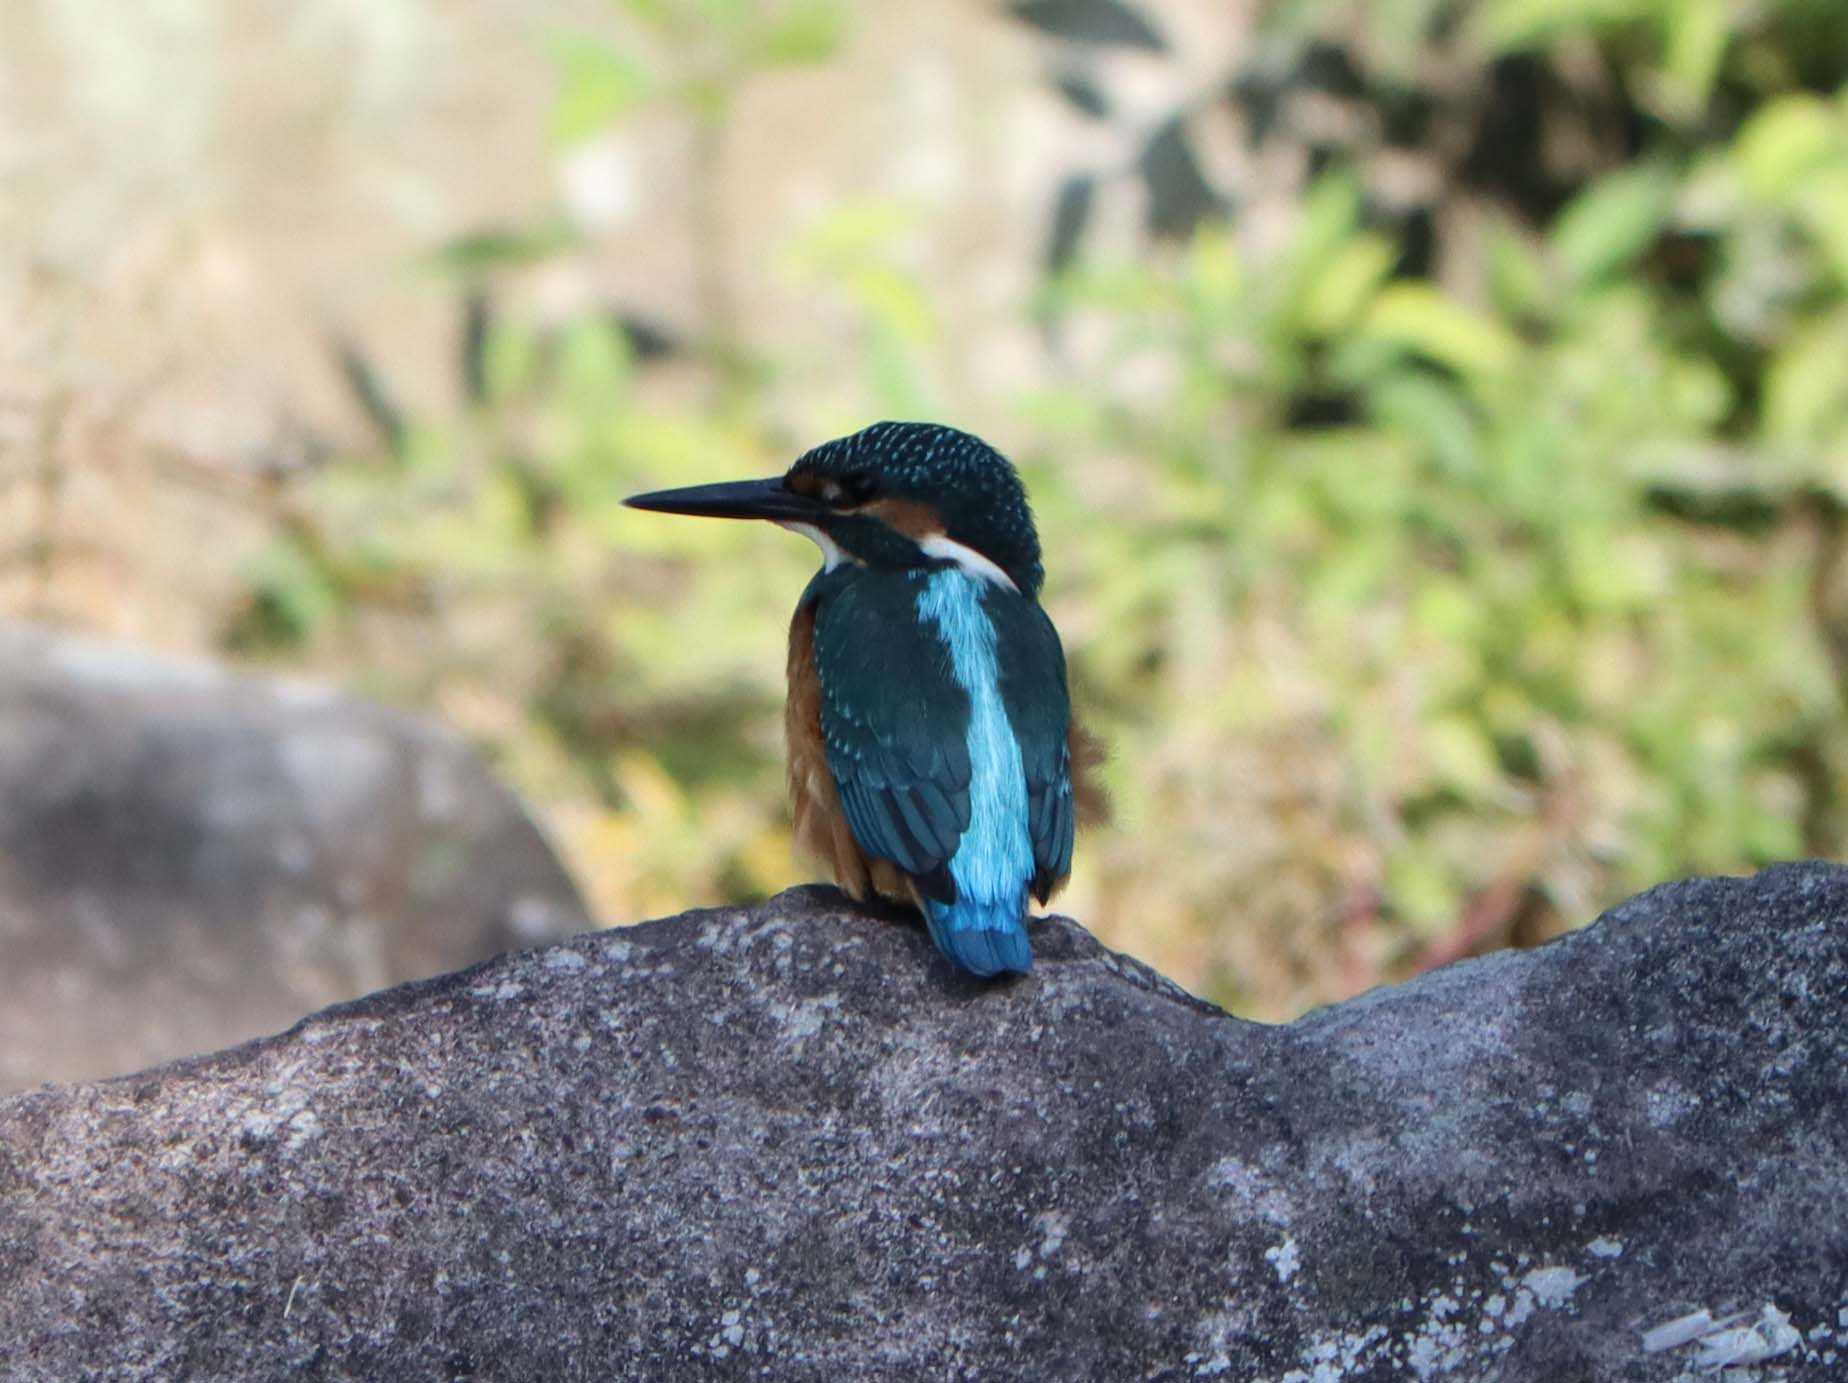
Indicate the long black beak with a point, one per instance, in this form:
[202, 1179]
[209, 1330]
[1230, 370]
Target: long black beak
[734, 499]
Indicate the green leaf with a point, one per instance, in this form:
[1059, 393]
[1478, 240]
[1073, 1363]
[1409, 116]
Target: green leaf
[802, 33]
[599, 84]
[896, 301]
[1343, 289]
[1605, 229]
[511, 360]
[292, 597]
[726, 15]
[1215, 275]
[1518, 279]
[1822, 207]
[1786, 140]
[656, 14]
[594, 363]
[1462, 756]
[1418, 318]
[1432, 413]
[1806, 386]
[846, 234]
[481, 252]
[1506, 26]
[1422, 889]
[1330, 213]
[1698, 32]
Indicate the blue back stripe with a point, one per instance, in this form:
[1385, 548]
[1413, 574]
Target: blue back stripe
[994, 860]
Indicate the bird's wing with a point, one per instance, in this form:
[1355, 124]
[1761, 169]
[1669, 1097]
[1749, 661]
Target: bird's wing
[1031, 664]
[895, 725]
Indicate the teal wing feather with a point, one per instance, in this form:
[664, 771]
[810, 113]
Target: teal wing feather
[1031, 664]
[895, 724]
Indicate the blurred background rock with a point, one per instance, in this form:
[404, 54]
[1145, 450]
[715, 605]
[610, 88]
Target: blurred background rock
[1436, 412]
[190, 857]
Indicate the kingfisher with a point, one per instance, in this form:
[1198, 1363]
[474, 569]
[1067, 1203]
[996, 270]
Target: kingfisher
[932, 753]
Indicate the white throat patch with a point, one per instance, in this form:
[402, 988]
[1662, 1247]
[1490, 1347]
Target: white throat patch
[971, 561]
[831, 554]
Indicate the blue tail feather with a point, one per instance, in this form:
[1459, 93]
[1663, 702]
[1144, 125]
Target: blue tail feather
[983, 938]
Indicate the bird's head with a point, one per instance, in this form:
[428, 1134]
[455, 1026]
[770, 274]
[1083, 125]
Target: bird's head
[890, 495]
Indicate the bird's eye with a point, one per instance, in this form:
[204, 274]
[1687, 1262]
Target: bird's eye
[858, 486]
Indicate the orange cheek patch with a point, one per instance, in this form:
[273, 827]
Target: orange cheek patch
[916, 520]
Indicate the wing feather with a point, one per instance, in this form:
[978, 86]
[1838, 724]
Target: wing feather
[1033, 689]
[894, 724]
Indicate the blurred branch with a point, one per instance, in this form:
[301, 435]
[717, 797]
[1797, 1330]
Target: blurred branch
[477, 322]
[1108, 22]
[372, 394]
[1484, 927]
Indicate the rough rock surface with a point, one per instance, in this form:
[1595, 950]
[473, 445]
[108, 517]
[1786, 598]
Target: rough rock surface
[189, 858]
[787, 1143]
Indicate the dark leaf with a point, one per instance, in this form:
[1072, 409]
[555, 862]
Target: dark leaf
[540, 497]
[1180, 197]
[1324, 67]
[1069, 218]
[1083, 92]
[1508, 154]
[1322, 408]
[648, 339]
[1406, 116]
[1743, 509]
[1260, 99]
[372, 394]
[484, 251]
[477, 321]
[1091, 21]
[1417, 232]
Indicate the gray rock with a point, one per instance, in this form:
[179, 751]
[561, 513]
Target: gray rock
[189, 857]
[787, 1142]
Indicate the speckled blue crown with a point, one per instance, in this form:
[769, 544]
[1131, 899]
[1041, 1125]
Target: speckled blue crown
[974, 487]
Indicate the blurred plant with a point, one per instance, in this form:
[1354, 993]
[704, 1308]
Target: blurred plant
[1537, 598]
[481, 562]
[1438, 107]
[486, 568]
[692, 58]
[1440, 570]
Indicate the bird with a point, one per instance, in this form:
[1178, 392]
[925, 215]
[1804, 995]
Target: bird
[933, 758]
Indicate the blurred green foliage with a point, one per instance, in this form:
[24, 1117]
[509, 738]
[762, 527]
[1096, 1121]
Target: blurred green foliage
[1423, 611]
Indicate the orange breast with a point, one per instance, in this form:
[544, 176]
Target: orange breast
[1088, 755]
[821, 825]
